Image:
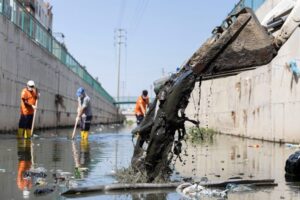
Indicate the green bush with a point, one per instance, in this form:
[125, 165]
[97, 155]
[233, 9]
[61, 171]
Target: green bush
[129, 122]
[200, 135]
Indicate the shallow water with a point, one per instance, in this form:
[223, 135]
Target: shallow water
[111, 148]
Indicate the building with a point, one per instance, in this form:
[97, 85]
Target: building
[41, 10]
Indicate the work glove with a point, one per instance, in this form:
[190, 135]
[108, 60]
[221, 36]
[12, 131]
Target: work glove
[34, 107]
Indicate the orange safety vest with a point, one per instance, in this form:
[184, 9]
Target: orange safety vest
[30, 97]
[141, 102]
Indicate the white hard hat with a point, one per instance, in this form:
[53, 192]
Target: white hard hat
[30, 83]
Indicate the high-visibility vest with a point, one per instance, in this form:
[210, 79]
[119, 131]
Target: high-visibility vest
[30, 97]
[141, 102]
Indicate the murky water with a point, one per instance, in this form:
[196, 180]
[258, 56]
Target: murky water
[92, 163]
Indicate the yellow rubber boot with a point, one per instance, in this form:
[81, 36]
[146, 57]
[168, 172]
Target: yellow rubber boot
[27, 134]
[20, 133]
[84, 135]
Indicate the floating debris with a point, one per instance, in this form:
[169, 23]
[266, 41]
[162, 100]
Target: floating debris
[292, 165]
[189, 190]
[30, 174]
[43, 191]
[82, 169]
[40, 181]
[292, 145]
[197, 191]
[238, 188]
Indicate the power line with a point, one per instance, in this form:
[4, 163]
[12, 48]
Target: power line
[138, 14]
[121, 13]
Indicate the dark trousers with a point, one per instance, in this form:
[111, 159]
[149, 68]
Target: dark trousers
[25, 121]
[85, 123]
[139, 119]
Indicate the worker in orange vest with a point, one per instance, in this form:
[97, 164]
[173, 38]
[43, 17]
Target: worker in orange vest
[29, 96]
[141, 106]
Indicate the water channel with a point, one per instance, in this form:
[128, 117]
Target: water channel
[110, 148]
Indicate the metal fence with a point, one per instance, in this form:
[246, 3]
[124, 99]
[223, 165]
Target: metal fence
[253, 4]
[17, 14]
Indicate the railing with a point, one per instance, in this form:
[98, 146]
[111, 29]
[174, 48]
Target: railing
[129, 100]
[17, 14]
[253, 4]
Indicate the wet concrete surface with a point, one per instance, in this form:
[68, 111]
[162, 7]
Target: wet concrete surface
[93, 162]
[226, 157]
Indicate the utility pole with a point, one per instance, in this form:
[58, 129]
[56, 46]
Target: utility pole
[163, 72]
[120, 39]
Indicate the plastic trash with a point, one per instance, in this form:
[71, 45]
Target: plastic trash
[292, 145]
[294, 68]
[195, 191]
[43, 191]
[254, 146]
[292, 164]
[34, 174]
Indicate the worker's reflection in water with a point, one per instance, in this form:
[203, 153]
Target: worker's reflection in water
[150, 196]
[24, 164]
[82, 159]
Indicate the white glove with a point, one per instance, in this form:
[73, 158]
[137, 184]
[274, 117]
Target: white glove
[34, 107]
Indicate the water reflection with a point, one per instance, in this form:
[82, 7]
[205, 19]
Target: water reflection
[57, 150]
[149, 196]
[24, 164]
[220, 159]
[81, 158]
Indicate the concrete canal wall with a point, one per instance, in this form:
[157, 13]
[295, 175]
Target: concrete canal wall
[263, 103]
[22, 59]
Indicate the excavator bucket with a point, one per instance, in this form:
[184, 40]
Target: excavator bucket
[239, 44]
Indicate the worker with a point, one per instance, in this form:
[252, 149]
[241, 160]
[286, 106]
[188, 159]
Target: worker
[84, 112]
[29, 96]
[141, 106]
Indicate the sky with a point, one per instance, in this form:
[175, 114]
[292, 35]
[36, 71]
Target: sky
[160, 36]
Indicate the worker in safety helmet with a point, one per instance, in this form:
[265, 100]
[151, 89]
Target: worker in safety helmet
[29, 95]
[141, 106]
[84, 112]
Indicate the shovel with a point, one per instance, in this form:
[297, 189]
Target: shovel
[75, 126]
[34, 115]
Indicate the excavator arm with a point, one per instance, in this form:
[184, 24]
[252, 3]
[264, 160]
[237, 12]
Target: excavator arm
[289, 26]
[240, 43]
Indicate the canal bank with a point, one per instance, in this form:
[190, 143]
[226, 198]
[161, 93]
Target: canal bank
[29, 52]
